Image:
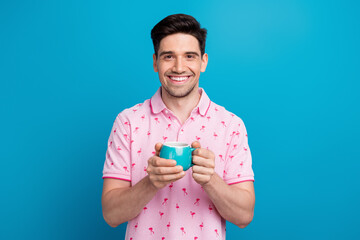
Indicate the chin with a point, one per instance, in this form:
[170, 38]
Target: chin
[180, 93]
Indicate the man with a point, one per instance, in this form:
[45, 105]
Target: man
[157, 198]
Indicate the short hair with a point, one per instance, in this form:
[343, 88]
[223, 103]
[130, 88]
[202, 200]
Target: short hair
[178, 23]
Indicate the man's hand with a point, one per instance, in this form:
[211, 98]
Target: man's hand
[204, 164]
[163, 171]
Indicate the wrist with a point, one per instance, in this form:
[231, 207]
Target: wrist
[150, 185]
[210, 183]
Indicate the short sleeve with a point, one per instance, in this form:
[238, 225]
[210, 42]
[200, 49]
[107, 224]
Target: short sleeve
[117, 161]
[238, 166]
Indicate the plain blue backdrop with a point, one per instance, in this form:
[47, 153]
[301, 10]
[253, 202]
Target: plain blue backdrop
[288, 68]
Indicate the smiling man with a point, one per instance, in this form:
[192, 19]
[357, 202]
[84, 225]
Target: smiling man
[157, 198]
[179, 69]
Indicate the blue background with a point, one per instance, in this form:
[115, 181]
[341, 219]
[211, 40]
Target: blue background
[289, 69]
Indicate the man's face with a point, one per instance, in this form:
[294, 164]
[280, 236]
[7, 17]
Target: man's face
[179, 64]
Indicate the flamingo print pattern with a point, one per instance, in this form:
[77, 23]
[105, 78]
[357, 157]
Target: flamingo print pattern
[183, 208]
[171, 185]
[201, 226]
[210, 209]
[165, 201]
[215, 135]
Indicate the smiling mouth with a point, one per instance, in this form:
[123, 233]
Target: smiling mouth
[179, 79]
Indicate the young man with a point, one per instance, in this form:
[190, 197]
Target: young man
[157, 198]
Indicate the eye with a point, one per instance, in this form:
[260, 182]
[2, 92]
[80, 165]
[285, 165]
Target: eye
[167, 56]
[191, 56]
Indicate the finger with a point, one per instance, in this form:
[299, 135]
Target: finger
[178, 176]
[202, 170]
[205, 153]
[201, 161]
[162, 162]
[168, 177]
[158, 147]
[167, 170]
[200, 177]
[196, 144]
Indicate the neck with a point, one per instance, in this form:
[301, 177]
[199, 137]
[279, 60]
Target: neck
[183, 106]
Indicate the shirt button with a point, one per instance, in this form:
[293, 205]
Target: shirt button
[181, 131]
[166, 111]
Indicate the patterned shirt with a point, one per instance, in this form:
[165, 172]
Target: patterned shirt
[181, 210]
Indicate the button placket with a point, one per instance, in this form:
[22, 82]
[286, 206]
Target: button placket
[188, 122]
[180, 134]
[173, 125]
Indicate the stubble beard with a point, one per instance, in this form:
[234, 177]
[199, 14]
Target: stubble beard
[176, 94]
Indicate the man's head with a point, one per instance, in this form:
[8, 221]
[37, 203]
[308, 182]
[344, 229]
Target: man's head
[178, 23]
[179, 54]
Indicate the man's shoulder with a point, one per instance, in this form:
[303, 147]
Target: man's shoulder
[140, 110]
[225, 116]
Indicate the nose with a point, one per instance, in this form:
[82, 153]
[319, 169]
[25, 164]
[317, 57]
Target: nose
[179, 66]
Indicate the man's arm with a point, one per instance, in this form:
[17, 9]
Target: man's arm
[236, 202]
[122, 202]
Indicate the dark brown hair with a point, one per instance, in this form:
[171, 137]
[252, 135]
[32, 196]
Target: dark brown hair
[178, 23]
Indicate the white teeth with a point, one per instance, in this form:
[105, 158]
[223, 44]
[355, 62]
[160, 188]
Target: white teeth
[179, 78]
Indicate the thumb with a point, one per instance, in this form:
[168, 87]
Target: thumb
[196, 144]
[158, 147]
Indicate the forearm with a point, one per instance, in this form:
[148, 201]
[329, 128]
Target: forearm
[123, 204]
[233, 204]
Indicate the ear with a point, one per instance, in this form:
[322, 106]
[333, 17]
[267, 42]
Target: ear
[204, 62]
[154, 63]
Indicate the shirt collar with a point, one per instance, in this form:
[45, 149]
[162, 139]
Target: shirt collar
[157, 104]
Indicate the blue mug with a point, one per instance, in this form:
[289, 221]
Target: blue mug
[180, 152]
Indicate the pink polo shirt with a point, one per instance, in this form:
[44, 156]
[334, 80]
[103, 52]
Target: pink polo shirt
[182, 210]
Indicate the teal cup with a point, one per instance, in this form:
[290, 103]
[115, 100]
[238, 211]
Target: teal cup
[180, 152]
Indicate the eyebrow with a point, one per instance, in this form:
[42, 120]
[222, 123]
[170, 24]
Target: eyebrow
[171, 52]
